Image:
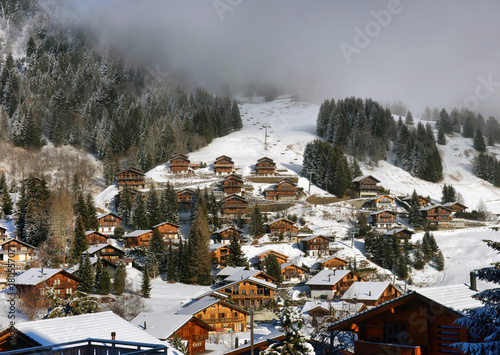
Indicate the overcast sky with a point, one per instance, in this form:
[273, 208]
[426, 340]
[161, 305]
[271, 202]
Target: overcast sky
[424, 53]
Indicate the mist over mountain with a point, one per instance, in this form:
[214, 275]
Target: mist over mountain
[422, 53]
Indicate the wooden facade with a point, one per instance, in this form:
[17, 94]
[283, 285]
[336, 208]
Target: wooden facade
[317, 246]
[381, 203]
[233, 205]
[400, 233]
[195, 333]
[3, 234]
[108, 222]
[366, 186]
[292, 272]
[168, 231]
[223, 165]
[436, 214]
[15, 252]
[331, 283]
[410, 325]
[138, 238]
[219, 253]
[249, 293]
[106, 252]
[265, 166]
[131, 177]
[224, 235]
[179, 164]
[282, 258]
[284, 189]
[333, 263]
[233, 184]
[94, 238]
[455, 207]
[281, 225]
[184, 198]
[383, 219]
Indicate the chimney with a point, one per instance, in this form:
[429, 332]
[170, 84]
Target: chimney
[113, 335]
[473, 285]
[333, 272]
[145, 325]
[369, 293]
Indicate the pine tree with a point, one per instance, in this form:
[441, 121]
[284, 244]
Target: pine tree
[273, 268]
[119, 280]
[22, 210]
[236, 256]
[483, 323]
[87, 276]
[440, 261]
[179, 345]
[80, 240]
[256, 225]
[98, 274]
[146, 282]
[126, 204]
[441, 140]
[418, 263]
[6, 203]
[414, 215]
[198, 253]
[157, 250]
[153, 210]
[409, 119]
[171, 269]
[169, 206]
[426, 246]
[479, 144]
[139, 218]
[91, 214]
[104, 286]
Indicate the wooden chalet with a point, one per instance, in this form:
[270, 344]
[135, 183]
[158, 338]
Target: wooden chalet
[164, 326]
[436, 214]
[219, 253]
[221, 315]
[108, 222]
[381, 203]
[261, 257]
[184, 198]
[251, 292]
[94, 238]
[15, 252]
[223, 165]
[422, 200]
[169, 231]
[383, 219]
[418, 323]
[331, 283]
[284, 189]
[224, 235]
[371, 293]
[35, 281]
[179, 164]
[455, 207]
[138, 238]
[292, 272]
[265, 166]
[233, 184]
[131, 177]
[106, 252]
[316, 245]
[233, 205]
[400, 233]
[281, 225]
[333, 262]
[366, 186]
[3, 233]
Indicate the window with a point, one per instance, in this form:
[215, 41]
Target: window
[395, 332]
[57, 282]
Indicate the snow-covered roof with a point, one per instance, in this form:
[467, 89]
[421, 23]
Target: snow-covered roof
[213, 247]
[285, 265]
[332, 305]
[74, 268]
[198, 306]
[327, 277]
[366, 291]
[225, 229]
[359, 178]
[161, 224]
[434, 206]
[253, 279]
[160, 325]
[229, 270]
[279, 219]
[91, 325]
[137, 233]
[102, 215]
[18, 241]
[272, 252]
[397, 230]
[241, 275]
[95, 248]
[382, 211]
[34, 276]
[311, 237]
[330, 258]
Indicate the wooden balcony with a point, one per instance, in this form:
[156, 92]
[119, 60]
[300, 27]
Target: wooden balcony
[369, 348]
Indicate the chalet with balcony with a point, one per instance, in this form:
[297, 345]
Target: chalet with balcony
[94, 238]
[233, 184]
[219, 254]
[261, 257]
[455, 206]
[3, 233]
[422, 200]
[417, 323]
[106, 252]
[366, 186]
[179, 164]
[221, 315]
[108, 222]
[333, 262]
[371, 293]
[383, 219]
[169, 231]
[16, 252]
[281, 225]
[138, 238]
[400, 233]
[184, 198]
[233, 205]
[224, 235]
[265, 166]
[331, 283]
[436, 214]
[35, 280]
[292, 272]
[164, 326]
[316, 245]
[223, 165]
[131, 177]
[383, 202]
[245, 274]
[284, 189]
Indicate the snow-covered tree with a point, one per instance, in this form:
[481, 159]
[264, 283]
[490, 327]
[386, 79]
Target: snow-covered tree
[291, 322]
[77, 303]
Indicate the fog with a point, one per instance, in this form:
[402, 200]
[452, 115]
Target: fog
[423, 53]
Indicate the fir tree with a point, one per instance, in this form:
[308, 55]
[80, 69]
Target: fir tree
[146, 282]
[440, 261]
[479, 144]
[104, 286]
[236, 256]
[126, 204]
[92, 224]
[22, 210]
[80, 240]
[273, 268]
[179, 345]
[168, 205]
[139, 218]
[448, 194]
[6, 203]
[153, 210]
[418, 263]
[170, 265]
[87, 275]
[157, 250]
[441, 139]
[409, 119]
[119, 279]
[256, 225]
[98, 274]
[198, 253]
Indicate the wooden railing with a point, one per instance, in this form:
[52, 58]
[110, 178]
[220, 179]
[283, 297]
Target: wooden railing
[370, 348]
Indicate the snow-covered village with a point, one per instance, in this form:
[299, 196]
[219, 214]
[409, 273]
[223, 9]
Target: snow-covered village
[147, 207]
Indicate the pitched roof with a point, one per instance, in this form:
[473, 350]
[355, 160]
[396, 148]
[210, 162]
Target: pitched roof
[264, 159]
[225, 229]
[137, 233]
[34, 276]
[285, 265]
[434, 206]
[311, 237]
[87, 233]
[138, 171]
[204, 303]
[102, 215]
[272, 252]
[234, 197]
[398, 230]
[382, 211]
[17, 241]
[331, 257]
[327, 277]
[95, 248]
[161, 224]
[366, 291]
[213, 247]
[449, 204]
[252, 279]
[359, 178]
[229, 270]
[279, 219]
[91, 325]
[189, 191]
[241, 275]
[223, 157]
